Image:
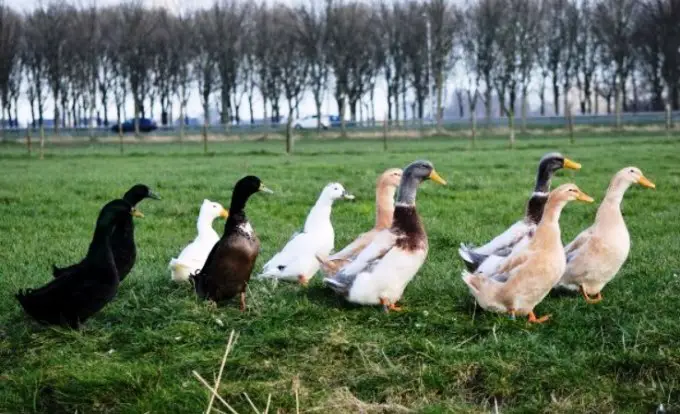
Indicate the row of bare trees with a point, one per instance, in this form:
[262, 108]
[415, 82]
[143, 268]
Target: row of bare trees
[85, 60]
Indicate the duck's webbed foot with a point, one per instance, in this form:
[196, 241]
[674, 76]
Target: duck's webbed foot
[389, 306]
[596, 299]
[534, 319]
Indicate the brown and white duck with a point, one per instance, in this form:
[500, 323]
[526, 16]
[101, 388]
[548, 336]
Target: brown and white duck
[383, 269]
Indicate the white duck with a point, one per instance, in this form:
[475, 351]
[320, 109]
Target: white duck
[297, 261]
[193, 256]
[596, 255]
[383, 269]
[487, 258]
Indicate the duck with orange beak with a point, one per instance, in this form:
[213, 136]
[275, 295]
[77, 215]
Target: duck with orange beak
[596, 255]
[527, 277]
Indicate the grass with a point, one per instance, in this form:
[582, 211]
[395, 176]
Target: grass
[442, 354]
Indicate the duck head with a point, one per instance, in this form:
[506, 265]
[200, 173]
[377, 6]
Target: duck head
[390, 178]
[570, 192]
[633, 175]
[138, 193]
[414, 174]
[547, 167]
[211, 210]
[244, 188]
[335, 191]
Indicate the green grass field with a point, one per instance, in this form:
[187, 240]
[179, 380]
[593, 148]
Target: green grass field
[441, 354]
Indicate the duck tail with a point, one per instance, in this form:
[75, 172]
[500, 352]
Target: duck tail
[179, 272]
[471, 259]
[484, 289]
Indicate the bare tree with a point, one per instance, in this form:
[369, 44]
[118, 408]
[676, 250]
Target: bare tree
[312, 33]
[36, 65]
[86, 38]
[414, 22]
[138, 25]
[393, 64]
[615, 30]
[229, 21]
[185, 50]
[267, 52]
[351, 36]
[205, 67]
[586, 55]
[164, 63]
[475, 53]
[488, 16]
[10, 58]
[445, 24]
[292, 63]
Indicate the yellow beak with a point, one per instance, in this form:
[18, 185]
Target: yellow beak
[572, 165]
[224, 213]
[136, 213]
[645, 182]
[436, 178]
[584, 197]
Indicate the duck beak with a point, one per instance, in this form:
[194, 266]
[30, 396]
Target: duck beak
[154, 195]
[572, 165]
[584, 197]
[436, 178]
[347, 196]
[224, 213]
[264, 189]
[646, 183]
[136, 213]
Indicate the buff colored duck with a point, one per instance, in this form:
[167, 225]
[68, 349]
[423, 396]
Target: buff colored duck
[525, 279]
[386, 187]
[595, 256]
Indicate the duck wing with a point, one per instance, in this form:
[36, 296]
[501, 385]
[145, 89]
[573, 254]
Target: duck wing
[73, 297]
[384, 241]
[227, 269]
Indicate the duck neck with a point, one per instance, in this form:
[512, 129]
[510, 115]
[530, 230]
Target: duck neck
[100, 240]
[407, 191]
[204, 223]
[549, 228]
[321, 212]
[384, 206]
[617, 188]
[543, 178]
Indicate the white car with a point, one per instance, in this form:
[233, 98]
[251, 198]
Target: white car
[310, 122]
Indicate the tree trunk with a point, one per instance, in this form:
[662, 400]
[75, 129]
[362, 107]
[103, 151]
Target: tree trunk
[487, 104]
[525, 105]
[56, 115]
[120, 127]
[182, 121]
[250, 108]
[556, 96]
[618, 97]
[511, 126]
[317, 104]
[541, 93]
[289, 127]
[439, 86]
[341, 108]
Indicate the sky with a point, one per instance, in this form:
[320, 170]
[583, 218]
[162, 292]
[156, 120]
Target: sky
[455, 80]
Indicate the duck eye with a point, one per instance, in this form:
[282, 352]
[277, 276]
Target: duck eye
[632, 171]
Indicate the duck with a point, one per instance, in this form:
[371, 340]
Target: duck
[193, 256]
[123, 237]
[386, 187]
[382, 270]
[525, 279]
[488, 258]
[72, 298]
[227, 269]
[297, 260]
[597, 254]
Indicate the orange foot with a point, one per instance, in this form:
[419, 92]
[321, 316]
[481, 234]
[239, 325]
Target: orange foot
[534, 319]
[387, 306]
[303, 280]
[596, 299]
